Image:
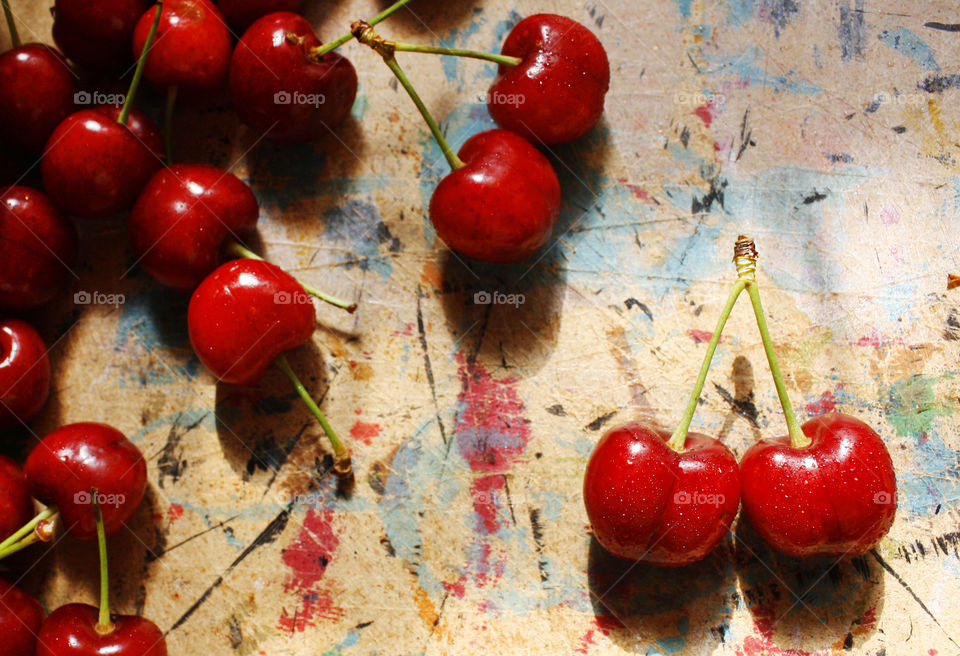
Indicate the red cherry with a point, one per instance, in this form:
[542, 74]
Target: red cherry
[240, 14]
[72, 630]
[192, 46]
[24, 373]
[182, 217]
[16, 506]
[556, 93]
[20, 620]
[244, 315]
[502, 205]
[39, 245]
[74, 459]
[648, 502]
[94, 167]
[37, 91]
[96, 35]
[837, 496]
[277, 85]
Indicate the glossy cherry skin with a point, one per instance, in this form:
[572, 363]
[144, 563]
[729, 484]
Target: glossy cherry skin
[556, 93]
[647, 502]
[836, 497]
[94, 167]
[16, 505]
[183, 216]
[20, 620]
[76, 458]
[24, 373]
[245, 314]
[71, 631]
[39, 246]
[500, 207]
[96, 35]
[192, 46]
[276, 84]
[37, 91]
[240, 14]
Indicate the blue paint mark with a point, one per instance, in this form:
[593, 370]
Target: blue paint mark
[683, 8]
[156, 321]
[359, 224]
[185, 417]
[740, 12]
[909, 44]
[459, 38]
[749, 66]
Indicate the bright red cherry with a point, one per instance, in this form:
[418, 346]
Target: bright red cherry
[39, 246]
[76, 458]
[244, 315]
[192, 47]
[556, 93]
[20, 620]
[279, 87]
[94, 167]
[16, 505]
[647, 502]
[241, 13]
[24, 372]
[183, 216]
[96, 35]
[72, 630]
[37, 91]
[502, 205]
[837, 496]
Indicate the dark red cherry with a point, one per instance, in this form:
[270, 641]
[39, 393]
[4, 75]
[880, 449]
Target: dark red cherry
[502, 205]
[76, 458]
[96, 35]
[71, 630]
[556, 93]
[280, 88]
[183, 216]
[37, 91]
[245, 314]
[94, 167]
[835, 497]
[241, 13]
[647, 502]
[192, 47]
[24, 373]
[16, 505]
[39, 247]
[20, 620]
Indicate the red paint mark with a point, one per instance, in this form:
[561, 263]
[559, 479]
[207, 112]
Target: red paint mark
[826, 403]
[707, 111]
[638, 192]
[487, 493]
[364, 431]
[307, 557]
[174, 512]
[457, 589]
[588, 640]
[875, 341]
[406, 332]
[702, 336]
[932, 652]
[358, 411]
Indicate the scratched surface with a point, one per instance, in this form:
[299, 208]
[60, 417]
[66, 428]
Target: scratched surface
[829, 131]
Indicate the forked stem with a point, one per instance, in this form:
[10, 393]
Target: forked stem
[321, 50]
[141, 64]
[105, 625]
[342, 464]
[504, 60]
[11, 25]
[38, 529]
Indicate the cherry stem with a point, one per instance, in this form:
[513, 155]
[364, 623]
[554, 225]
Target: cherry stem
[745, 256]
[141, 64]
[104, 625]
[12, 26]
[341, 456]
[168, 122]
[505, 60]
[325, 48]
[679, 436]
[365, 35]
[27, 534]
[239, 250]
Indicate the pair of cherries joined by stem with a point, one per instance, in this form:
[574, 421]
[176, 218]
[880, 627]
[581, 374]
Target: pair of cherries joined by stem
[827, 488]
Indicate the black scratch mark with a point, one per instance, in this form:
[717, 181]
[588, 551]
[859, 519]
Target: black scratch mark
[557, 410]
[598, 423]
[946, 27]
[537, 529]
[632, 303]
[235, 632]
[952, 331]
[715, 195]
[171, 462]
[427, 365]
[685, 136]
[506, 488]
[815, 197]
[746, 408]
[899, 129]
[939, 83]
[158, 553]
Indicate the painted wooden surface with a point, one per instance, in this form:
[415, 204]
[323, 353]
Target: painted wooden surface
[829, 131]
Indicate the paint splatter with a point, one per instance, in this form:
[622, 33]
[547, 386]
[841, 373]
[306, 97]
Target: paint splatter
[308, 557]
[364, 431]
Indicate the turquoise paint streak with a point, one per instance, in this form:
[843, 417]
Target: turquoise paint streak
[910, 45]
[749, 65]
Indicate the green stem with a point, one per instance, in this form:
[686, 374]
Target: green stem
[679, 436]
[27, 528]
[22, 544]
[504, 60]
[104, 625]
[141, 64]
[239, 250]
[342, 464]
[14, 35]
[320, 51]
[168, 122]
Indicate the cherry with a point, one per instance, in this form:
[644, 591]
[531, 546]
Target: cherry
[192, 47]
[24, 373]
[39, 245]
[76, 458]
[502, 205]
[20, 619]
[240, 14]
[16, 505]
[94, 166]
[182, 218]
[96, 35]
[556, 94]
[280, 87]
[72, 629]
[37, 91]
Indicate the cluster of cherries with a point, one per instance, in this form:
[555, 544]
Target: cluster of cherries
[826, 489]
